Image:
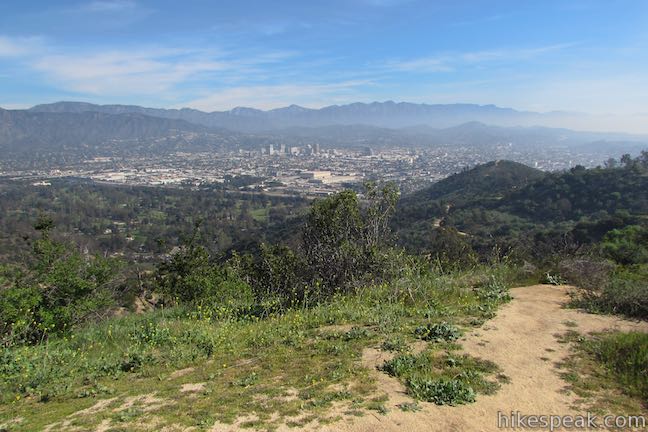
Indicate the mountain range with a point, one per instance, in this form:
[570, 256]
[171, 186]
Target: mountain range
[381, 114]
[109, 129]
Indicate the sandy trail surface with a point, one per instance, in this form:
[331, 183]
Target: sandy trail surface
[522, 341]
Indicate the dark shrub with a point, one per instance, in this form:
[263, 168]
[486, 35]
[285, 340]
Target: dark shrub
[627, 246]
[190, 276]
[346, 239]
[590, 274]
[62, 289]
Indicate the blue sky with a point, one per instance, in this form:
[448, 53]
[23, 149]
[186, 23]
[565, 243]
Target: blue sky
[589, 56]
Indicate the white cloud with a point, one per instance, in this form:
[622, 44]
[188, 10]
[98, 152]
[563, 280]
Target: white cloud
[162, 72]
[425, 64]
[451, 61]
[109, 6]
[18, 46]
[147, 71]
[120, 72]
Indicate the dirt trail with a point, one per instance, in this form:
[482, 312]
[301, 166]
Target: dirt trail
[521, 341]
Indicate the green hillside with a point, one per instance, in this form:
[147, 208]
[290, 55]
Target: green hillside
[480, 186]
[491, 180]
[514, 206]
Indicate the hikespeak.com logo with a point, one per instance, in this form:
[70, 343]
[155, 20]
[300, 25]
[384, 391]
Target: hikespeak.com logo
[516, 420]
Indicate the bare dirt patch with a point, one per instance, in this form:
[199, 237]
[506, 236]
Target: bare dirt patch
[181, 372]
[146, 402]
[192, 387]
[336, 328]
[372, 359]
[96, 408]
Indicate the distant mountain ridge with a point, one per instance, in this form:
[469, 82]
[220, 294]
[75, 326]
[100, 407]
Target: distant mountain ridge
[23, 132]
[382, 114]
[102, 129]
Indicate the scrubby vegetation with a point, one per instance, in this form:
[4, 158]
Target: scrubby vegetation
[241, 319]
[586, 227]
[608, 370]
[444, 379]
[62, 289]
[615, 278]
[276, 333]
[240, 358]
[140, 222]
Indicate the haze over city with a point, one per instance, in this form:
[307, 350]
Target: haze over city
[577, 56]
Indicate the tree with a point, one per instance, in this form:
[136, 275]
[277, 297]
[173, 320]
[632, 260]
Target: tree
[643, 159]
[61, 290]
[611, 163]
[628, 245]
[278, 276]
[626, 160]
[343, 238]
[191, 276]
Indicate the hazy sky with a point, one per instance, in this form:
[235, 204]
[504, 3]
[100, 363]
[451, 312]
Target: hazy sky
[589, 56]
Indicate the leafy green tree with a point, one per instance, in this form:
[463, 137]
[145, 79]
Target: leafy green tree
[62, 289]
[344, 239]
[278, 276]
[627, 246]
[332, 239]
[191, 276]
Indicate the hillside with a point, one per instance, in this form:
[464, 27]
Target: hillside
[25, 132]
[579, 193]
[512, 205]
[478, 186]
[487, 181]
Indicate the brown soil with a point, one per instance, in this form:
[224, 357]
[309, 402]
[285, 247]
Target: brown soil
[522, 341]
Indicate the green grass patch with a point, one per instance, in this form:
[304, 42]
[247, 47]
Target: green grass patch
[259, 214]
[608, 371]
[286, 368]
[443, 378]
[438, 332]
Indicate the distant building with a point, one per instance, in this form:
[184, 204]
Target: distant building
[315, 175]
[367, 151]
